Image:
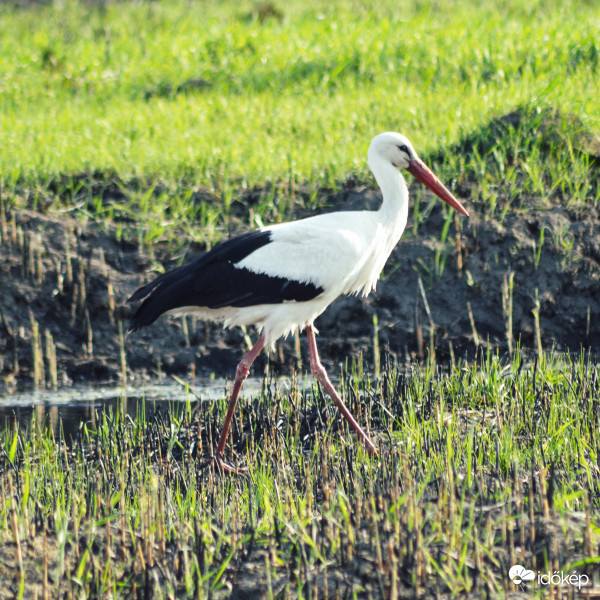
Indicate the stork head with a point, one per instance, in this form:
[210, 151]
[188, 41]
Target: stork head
[396, 149]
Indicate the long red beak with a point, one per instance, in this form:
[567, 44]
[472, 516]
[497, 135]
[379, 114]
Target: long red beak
[426, 177]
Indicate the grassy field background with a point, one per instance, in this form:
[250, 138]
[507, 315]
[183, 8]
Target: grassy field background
[230, 95]
[149, 120]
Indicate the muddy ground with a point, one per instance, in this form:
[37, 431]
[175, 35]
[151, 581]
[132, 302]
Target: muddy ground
[64, 287]
[82, 313]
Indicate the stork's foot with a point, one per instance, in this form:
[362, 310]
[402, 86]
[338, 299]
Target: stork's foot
[370, 446]
[322, 377]
[219, 462]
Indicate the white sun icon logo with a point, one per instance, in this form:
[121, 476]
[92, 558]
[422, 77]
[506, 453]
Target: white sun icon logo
[519, 574]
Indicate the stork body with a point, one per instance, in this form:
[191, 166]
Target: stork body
[282, 277]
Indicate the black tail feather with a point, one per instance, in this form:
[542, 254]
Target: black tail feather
[214, 281]
[162, 294]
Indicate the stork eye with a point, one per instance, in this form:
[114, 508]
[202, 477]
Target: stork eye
[404, 148]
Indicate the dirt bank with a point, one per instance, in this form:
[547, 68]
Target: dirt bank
[530, 267]
[81, 306]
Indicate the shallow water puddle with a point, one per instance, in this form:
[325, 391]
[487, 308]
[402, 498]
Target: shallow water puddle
[68, 408]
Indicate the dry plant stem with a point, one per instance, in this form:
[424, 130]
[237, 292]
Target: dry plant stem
[321, 376]
[240, 376]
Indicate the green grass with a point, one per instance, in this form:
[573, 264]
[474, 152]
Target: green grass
[482, 467]
[154, 118]
[160, 99]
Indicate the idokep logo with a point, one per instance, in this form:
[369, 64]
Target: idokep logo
[519, 575]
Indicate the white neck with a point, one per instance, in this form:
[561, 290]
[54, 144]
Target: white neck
[394, 209]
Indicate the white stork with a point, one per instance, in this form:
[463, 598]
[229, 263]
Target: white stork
[282, 277]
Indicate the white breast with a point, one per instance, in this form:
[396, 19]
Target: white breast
[342, 252]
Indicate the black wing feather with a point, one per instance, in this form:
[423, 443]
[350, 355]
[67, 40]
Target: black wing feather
[213, 281]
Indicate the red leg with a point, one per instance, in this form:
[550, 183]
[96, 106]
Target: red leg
[321, 375]
[240, 376]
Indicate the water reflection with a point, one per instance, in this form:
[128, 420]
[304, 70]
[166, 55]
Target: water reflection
[62, 419]
[64, 411]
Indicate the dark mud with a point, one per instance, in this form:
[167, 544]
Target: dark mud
[64, 284]
[559, 277]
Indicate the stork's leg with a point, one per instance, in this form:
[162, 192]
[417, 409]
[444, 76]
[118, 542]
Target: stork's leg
[240, 376]
[321, 375]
